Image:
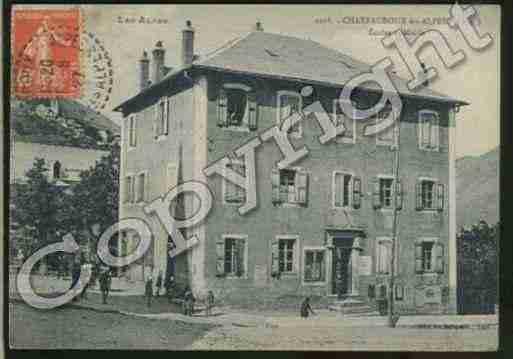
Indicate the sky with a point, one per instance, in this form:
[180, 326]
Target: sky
[476, 80]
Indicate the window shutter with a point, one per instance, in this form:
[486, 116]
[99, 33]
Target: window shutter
[357, 192]
[418, 258]
[127, 185]
[425, 132]
[222, 103]
[399, 189]
[158, 121]
[275, 252]
[166, 116]
[434, 133]
[337, 189]
[440, 196]
[220, 257]
[240, 257]
[418, 195]
[253, 111]
[301, 186]
[275, 183]
[172, 176]
[439, 257]
[376, 199]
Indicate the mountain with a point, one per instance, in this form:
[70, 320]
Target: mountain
[63, 122]
[477, 188]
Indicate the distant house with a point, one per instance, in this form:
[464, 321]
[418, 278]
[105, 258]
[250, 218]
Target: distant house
[323, 226]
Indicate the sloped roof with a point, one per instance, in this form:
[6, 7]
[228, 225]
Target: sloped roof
[291, 58]
[283, 56]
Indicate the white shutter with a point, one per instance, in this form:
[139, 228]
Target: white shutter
[172, 176]
[337, 189]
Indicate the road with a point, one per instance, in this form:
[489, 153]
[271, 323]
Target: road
[69, 328]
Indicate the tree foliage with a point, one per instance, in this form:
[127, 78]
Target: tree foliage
[478, 268]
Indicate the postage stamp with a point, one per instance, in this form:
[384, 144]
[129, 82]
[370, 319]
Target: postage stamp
[46, 53]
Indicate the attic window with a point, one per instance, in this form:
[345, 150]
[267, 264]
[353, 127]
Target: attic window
[271, 53]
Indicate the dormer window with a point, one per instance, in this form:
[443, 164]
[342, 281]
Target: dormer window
[290, 103]
[428, 130]
[237, 107]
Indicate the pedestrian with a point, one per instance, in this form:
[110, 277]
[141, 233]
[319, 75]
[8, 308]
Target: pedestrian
[149, 290]
[170, 288]
[86, 267]
[105, 282]
[306, 308]
[210, 303]
[75, 275]
[188, 302]
[159, 282]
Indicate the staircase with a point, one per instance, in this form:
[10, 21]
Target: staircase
[353, 306]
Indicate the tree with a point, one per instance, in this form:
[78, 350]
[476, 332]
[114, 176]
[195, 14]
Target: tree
[94, 199]
[36, 205]
[477, 268]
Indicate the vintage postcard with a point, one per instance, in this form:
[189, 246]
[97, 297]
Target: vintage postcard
[219, 177]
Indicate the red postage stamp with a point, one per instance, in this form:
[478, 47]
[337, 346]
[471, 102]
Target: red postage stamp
[46, 53]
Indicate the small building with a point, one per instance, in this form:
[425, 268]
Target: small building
[322, 226]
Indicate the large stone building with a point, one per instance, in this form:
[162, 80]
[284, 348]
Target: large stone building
[323, 226]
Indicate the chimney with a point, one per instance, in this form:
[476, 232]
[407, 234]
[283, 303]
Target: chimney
[187, 44]
[258, 26]
[144, 71]
[157, 64]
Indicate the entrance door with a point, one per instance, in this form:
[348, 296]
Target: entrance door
[342, 266]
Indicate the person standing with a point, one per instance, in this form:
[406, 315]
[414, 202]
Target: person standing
[210, 303]
[159, 282]
[105, 282]
[188, 302]
[149, 290]
[306, 308]
[75, 275]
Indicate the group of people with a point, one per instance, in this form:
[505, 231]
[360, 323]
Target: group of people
[188, 298]
[99, 273]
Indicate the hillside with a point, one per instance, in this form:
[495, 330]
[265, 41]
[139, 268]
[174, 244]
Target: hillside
[477, 191]
[61, 122]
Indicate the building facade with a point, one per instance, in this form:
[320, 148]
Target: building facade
[322, 226]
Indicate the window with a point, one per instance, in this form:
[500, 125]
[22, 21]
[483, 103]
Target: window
[314, 265]
[428, 130]
[429, 256]
[162, 118]
[384, 255]
[349, 135]
[289, 186]
[237, 107]
[233, 193]
[231, 254]
[129, 189]
[290, 103]
[389, 135]
[383, 194]
[141, 184]
[430, 195]
[286, 255]
[283, 255]
[132, 131]
[342, 189]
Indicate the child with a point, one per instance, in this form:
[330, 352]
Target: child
[306, 308]
[149, 290]
[210, 303]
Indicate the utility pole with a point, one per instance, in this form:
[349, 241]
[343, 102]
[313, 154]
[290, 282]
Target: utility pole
[396, 187]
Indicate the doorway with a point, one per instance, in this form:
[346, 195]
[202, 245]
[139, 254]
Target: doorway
[341, 274]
